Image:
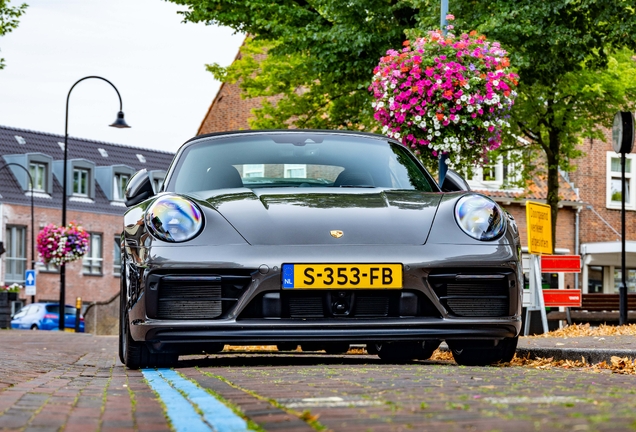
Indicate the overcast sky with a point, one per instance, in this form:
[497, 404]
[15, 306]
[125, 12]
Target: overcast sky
[156, 62]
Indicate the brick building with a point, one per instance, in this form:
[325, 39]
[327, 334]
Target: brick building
[589, 218]
[98, 173]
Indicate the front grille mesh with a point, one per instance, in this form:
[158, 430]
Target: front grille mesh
[189, 302]
[306, 307]
[371, 306]
[479, 295]
[199, 296]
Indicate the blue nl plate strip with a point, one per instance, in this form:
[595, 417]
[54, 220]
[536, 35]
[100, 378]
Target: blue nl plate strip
[216, 416]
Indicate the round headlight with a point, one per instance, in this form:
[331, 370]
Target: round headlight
[479, 217]
[174, 219]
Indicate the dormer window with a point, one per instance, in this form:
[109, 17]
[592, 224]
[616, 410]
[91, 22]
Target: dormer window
[119, 187]
[81, 178]
[39, 176]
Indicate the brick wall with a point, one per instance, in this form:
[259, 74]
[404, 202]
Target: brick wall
[591, 179]
[92, 288]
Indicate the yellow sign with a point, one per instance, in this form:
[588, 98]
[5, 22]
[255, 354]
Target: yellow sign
[539, 222]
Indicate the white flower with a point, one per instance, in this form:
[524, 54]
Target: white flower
[423, 125]
[373, 104]
[397, 135]
[437, 133]
[464, 98]
[478, 106]
[469, 108]
[385, 128]
[495, 83]
[467, 86]
[436, 125]
[486, 123]
[429, 137]
[463, 120]
[445, 140]
[392, 86]
[438, 81]
[418, 118]
[380, 104]
[459, 102]
[391, 99]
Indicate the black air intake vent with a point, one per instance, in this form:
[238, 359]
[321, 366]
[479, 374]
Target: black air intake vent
[198, 296]
[476, 294]
[371, 306]
[306, 307]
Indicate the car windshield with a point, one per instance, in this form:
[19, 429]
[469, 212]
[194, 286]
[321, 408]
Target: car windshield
[68, 310]
[300, 159]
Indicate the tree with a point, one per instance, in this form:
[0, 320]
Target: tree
[574, 60]
[9, 19]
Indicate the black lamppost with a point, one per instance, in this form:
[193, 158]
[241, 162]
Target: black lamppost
[623, 142]
[119, 123]
[32, 218]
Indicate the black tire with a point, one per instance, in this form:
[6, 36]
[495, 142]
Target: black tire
[402, 352]
[287, 346]
[475, 354]
[34, 327]
[136, 355]
[336, 348]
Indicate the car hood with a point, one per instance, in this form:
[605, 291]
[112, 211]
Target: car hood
[368, 216]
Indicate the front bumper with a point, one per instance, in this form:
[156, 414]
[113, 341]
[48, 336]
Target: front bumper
[263, 264]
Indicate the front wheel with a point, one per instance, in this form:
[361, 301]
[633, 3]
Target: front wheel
[133, 354]
[478, 353]
[34, 327]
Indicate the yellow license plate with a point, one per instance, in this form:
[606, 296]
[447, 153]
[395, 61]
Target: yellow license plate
[69, 330]
[342, 276]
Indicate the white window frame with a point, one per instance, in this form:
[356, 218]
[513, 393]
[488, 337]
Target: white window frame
[253, 170]
[119, 186]
[630, 200]
[117, 256]
[511, 176]
[39, 175]
[81, 172]
[92, 263]
[15, 260]
[288, 168]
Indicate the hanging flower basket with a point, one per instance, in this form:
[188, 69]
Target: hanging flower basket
[445, 94]
[60, 245]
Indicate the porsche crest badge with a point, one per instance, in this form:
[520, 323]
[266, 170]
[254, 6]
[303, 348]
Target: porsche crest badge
[336, 233]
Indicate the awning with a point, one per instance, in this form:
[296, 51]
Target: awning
[608, 253]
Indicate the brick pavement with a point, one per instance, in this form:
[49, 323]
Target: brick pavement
[51, 381]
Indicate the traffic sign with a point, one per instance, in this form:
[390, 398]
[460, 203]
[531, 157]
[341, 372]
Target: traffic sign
[539, 223]
[29, 284]
[562, 297]
[561, 264]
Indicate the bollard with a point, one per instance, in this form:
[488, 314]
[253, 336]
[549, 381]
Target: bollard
[78, 309]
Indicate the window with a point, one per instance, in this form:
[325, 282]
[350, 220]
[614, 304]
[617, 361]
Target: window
[92, 262]
[48, 267]
[15, 256]
[630, 279]
[117, 257]
[614, 189]
[295, 171]
[496, 173]
[38, 174]
[80, 181]
[119, 188]
[254, 170]
[595, 279]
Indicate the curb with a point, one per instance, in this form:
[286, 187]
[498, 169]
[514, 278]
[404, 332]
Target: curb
[591, 356]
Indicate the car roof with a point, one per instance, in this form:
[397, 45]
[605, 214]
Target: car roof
[292, 131]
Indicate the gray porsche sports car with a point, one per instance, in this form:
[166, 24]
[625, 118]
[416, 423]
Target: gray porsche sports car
[314, 238]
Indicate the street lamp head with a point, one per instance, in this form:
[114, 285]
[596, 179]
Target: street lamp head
[120, 122]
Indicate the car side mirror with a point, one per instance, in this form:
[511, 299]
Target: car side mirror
[453, 182]
[139, 188]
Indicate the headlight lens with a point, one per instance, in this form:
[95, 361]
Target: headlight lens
[479, 217]
[173, 218]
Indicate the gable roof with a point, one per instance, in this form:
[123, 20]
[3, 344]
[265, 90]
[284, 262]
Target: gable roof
[21, 141]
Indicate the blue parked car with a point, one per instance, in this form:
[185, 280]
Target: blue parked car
[45, 316]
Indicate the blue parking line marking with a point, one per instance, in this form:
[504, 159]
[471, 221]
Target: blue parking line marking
[171, 388]
[179, 410]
